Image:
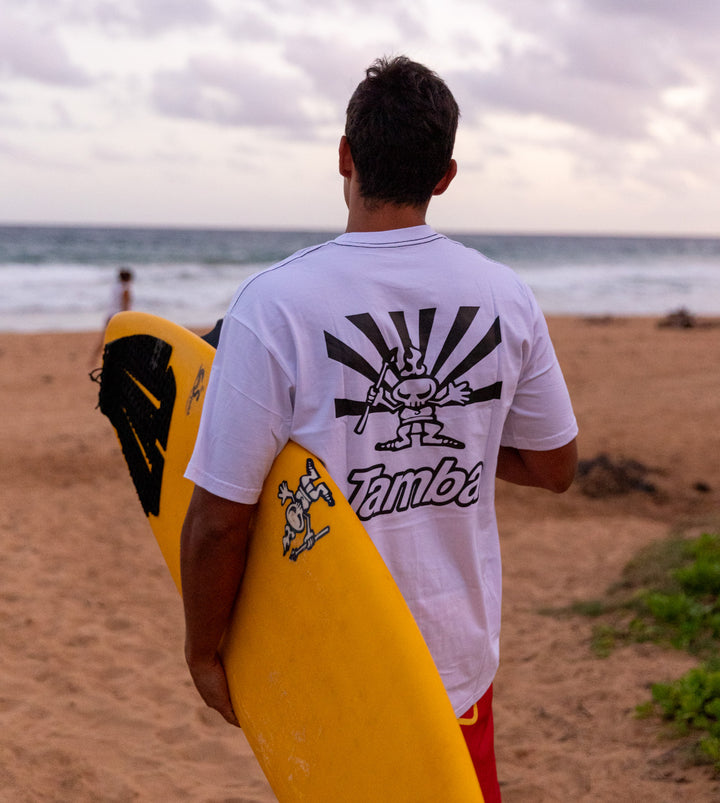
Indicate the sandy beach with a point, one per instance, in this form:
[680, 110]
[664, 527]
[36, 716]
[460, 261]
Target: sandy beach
[95, 700]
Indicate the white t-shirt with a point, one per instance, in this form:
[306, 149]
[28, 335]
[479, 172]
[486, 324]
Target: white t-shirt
[403, 360]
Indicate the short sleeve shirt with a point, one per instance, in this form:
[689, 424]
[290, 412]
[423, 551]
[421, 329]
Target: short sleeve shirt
[402, 360]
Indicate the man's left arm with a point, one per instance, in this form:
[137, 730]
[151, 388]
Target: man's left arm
[212, 561]
[553, 469]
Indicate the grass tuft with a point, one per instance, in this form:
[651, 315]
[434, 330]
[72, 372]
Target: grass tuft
[669, 594]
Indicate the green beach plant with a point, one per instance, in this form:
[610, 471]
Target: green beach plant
[692, 705]
[669, 594]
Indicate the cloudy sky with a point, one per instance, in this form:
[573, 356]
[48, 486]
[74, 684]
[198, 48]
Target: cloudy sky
[577, 115]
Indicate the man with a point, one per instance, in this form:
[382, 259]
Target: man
[390, 349]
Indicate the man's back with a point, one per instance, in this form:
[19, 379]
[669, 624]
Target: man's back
[396, 357]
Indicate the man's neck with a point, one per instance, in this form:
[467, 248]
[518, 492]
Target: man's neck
[384, 217]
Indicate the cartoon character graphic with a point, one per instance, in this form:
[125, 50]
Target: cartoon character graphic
[297, 516]
[437, 365]
[415, 397]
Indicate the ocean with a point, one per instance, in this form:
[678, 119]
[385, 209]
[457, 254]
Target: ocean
[58, 278]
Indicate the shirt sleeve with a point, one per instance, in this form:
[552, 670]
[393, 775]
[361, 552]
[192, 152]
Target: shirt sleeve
[541, 415]
[246, 417]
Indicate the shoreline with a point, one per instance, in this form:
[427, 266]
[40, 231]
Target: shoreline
[599, 318]
[96, 700]
[694, 320]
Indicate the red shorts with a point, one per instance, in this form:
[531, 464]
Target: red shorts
[478, 730]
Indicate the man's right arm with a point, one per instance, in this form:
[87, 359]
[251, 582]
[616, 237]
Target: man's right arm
[212, 561]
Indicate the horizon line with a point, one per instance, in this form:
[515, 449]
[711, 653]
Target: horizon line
[498, 232]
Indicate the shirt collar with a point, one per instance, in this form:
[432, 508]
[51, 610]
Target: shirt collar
[388, 237]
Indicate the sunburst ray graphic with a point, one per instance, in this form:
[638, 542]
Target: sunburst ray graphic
[387, 371]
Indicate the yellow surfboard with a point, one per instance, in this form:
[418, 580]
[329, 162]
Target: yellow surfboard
[329, 675]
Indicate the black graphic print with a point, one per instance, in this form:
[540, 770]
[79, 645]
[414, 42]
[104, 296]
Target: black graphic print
[137, 394]
[401, 382]
[297, 513]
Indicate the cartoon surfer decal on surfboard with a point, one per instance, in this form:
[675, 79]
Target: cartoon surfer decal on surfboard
[297, 513]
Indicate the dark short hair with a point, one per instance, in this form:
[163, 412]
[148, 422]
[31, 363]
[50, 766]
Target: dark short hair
[400, 127]
[125, 275]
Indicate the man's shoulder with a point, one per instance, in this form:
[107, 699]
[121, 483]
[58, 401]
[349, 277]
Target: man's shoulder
[305, 257]
[270, 289]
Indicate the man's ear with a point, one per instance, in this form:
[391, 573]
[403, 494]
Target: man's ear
[346, 165]
[444, 182]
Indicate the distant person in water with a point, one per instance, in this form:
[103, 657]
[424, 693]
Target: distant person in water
[120, 301]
